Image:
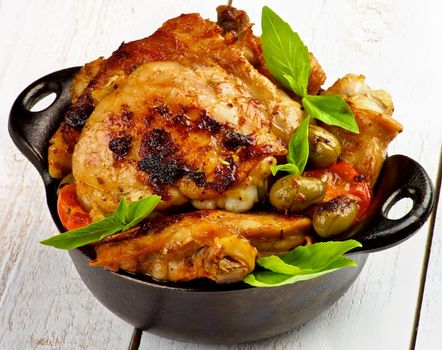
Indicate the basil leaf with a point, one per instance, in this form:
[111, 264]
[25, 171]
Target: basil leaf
[332, 110]
[286, 56]
[315, 256]
[125, 217]
[85, 235]
[290, 168]
[266, 279]
[139, 210]
[276, 264]
[120, 212]
[274, 279]
[298, 151]
[302, 263]
[298, 146]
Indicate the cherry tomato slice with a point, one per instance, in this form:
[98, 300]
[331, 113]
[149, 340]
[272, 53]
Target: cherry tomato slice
[343, 179]
[69, 209]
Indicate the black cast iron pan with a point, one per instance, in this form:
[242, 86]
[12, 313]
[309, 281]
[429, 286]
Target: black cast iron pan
[201, 311]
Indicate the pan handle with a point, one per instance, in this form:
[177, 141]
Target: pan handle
[31, 131]
[401, 177]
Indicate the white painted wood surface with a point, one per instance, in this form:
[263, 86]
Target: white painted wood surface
[396, 44]
[429, 335]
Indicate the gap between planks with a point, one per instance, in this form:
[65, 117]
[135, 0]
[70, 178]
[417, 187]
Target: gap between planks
[136, 339]
[426, 260]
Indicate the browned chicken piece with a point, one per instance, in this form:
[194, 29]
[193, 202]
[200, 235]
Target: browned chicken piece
[171, 129]
[317, 77]
[84, 77]
[210, 244]
[60, 152]
[373, 109]
[59, 155]
[237, 28]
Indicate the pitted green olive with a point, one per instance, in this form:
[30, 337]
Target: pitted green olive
[294, 193]
[324, 147]
[335, 216]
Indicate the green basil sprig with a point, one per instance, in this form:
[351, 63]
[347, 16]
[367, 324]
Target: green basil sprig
[298, 151]
[125, 217]
[288, 59]
[303, 263]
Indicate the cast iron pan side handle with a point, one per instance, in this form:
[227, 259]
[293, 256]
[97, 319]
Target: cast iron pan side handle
[31, 131]
[401, 177]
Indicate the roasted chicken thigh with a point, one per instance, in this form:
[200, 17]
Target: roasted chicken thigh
[213, 244]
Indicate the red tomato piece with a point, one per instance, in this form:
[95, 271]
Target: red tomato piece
[343, 179]
[69, 209]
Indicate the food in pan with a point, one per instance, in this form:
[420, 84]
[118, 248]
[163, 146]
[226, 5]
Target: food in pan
[203, 150]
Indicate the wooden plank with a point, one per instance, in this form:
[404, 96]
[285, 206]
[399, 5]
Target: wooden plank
[428, 325]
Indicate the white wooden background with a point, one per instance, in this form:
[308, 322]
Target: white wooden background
[397, 301]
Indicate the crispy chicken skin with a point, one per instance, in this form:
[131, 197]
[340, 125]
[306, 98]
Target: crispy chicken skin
[373, 111]
[213, 244]
[60, 152]
[84, 77]
[176, 131]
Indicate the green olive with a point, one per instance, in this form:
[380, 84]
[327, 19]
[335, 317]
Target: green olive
[294, 193]
[324, 147]
[335, 216]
